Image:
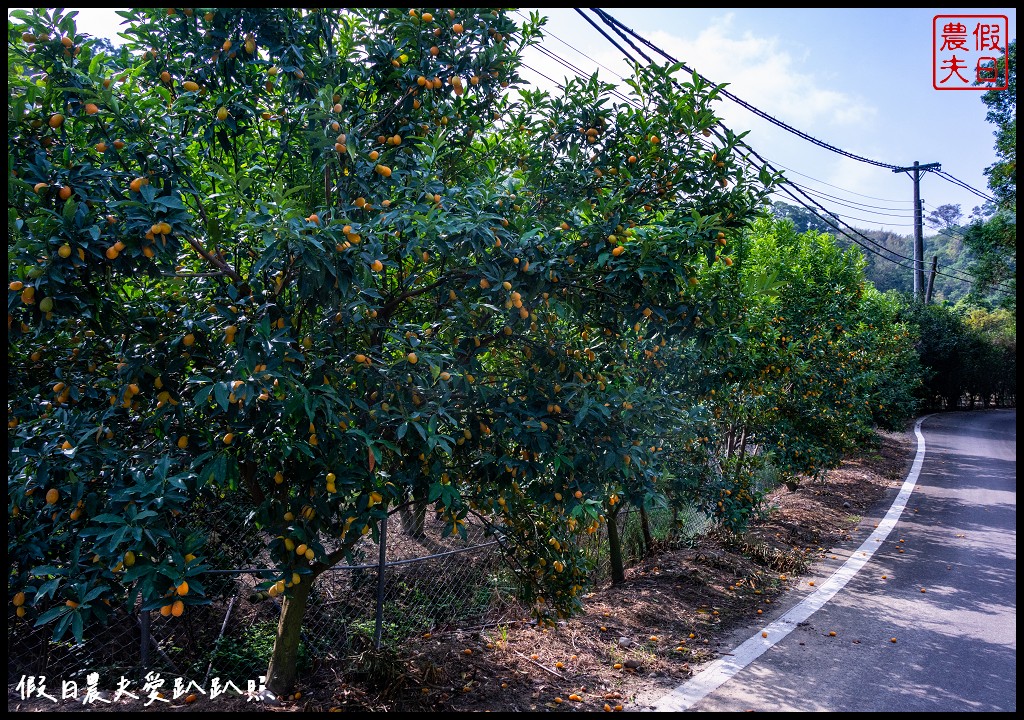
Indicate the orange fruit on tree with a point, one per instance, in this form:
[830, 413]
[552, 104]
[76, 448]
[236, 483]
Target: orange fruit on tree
[52, 496]
[65, 193]
[190, 86]
[177, 608]
[183, 442]
[91, 109]
[56, 120]
[182, 589]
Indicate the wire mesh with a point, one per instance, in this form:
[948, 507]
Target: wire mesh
[430, 583]
[668, 528]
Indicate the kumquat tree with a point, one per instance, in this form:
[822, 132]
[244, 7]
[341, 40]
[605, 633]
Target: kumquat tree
[807, 359]
[323, 265]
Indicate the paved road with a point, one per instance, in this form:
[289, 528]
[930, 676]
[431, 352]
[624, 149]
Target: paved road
[947, 549]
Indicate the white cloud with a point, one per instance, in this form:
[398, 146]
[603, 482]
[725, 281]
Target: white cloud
[765, 74]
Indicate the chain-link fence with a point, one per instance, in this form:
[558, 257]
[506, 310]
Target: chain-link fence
[429, 582]
[667, 528]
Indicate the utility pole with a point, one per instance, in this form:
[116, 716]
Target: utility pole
[915, 174]
[931, 280]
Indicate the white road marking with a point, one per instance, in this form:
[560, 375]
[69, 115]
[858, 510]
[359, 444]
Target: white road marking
[720, 671]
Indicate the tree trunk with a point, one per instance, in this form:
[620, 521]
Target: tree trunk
[414, 514]
[282, 670]
[645, 525]
[419, 512]
[615, 549]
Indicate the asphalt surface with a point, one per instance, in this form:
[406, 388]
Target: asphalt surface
[938, 575]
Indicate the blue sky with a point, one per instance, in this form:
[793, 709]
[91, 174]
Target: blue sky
[858, 79]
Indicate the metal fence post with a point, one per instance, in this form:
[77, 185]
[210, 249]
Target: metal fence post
[379, 626]
[144, 647]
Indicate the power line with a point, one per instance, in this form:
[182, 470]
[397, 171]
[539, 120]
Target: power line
[870, 197]
[546, 77]
[607, 37]
[831, 219]
[579, 72]
[960, 183]
[855, 205]
[548, 33]
[575, 70]
[614, 24]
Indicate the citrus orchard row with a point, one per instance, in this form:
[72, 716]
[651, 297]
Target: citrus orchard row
[326, 265]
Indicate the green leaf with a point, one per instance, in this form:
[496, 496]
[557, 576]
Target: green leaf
[222, 393]
[51, 614]
[200, 398]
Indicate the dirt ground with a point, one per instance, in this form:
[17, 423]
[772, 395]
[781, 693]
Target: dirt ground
[634, 642]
